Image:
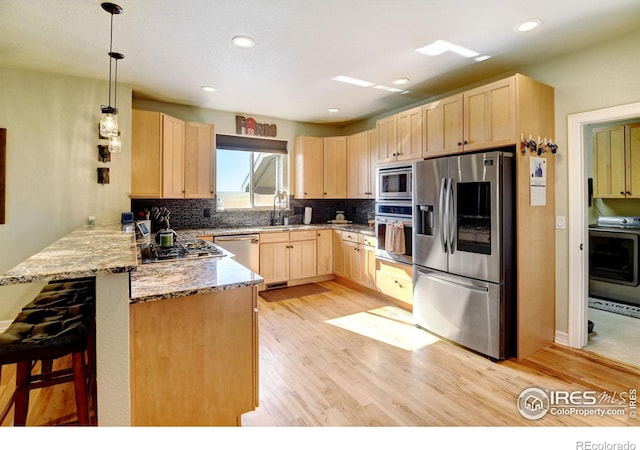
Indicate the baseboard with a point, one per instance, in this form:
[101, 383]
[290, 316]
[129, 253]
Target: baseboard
[562, 338]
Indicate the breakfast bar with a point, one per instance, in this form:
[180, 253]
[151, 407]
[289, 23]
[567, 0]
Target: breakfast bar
[132, 299]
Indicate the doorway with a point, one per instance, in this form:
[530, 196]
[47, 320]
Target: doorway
[578, 237]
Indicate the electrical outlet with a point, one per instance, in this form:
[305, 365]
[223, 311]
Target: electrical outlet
[207, 212]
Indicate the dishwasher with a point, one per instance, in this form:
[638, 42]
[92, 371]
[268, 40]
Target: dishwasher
[245, 247]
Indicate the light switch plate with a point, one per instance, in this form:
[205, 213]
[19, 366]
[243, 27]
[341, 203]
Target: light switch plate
[560, 224]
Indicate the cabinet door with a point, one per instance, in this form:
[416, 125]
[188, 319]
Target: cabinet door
[309, 167]
[387, 139]
[358, 166]
[609, 170]
[146, 154]
[490, 115]
[632, 140]
[367, 266]
[409, 128]
[373, 157]
[302, 259]
[172, 157]
[352, 261]
[335, 167]
[324, 252]
[274, 262]
[443, 130]
[200, 150]
[338, 253]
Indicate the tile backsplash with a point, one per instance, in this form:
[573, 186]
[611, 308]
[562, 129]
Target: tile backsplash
[201, 213]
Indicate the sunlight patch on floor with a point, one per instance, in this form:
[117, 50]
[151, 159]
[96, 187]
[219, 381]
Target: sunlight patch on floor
[389, 324]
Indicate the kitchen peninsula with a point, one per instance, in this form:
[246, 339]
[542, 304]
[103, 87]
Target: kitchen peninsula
[155, 323]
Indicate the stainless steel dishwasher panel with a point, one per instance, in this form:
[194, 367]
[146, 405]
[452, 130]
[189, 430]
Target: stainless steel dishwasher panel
[245, 248]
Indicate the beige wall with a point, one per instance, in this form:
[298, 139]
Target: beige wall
[52, 161]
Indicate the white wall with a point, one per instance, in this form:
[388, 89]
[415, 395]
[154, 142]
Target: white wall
[52, 161]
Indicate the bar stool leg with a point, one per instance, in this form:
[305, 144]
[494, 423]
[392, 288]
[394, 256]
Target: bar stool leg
[79, 381]
[23, 373]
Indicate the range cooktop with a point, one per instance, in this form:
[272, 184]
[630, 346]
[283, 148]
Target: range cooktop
[186, 249]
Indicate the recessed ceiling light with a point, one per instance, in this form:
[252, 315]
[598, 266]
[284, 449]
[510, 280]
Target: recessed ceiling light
[208, 88]
[334, 110]
[390, 89]
[527, 25]
[355, 81]
[482, 58]
[243, 41]
[439, 47]
[400, 81]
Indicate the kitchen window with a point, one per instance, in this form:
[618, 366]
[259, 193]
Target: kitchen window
[248, 170]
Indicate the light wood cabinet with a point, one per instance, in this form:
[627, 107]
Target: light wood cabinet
[476, 119]
[335, 167]
[490, 115]
[361, 163]
[324, 252]
[616, 161]
[295, 256]
[200, 151]
[400, 136]
[194, 359]
[171, 158]
[409, 124]
[442, 127]
[395, 280]
[309, 167]
[359, 258]
[302, 255]
[338, 253]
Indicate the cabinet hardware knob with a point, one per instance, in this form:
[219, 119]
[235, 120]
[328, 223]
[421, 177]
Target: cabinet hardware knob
[459, 144]
[621, 193]
[466, 142]
[628, 193]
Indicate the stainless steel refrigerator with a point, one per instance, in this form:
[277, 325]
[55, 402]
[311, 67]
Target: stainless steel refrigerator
[464, 250]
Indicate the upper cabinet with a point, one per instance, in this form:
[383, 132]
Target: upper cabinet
[616, 161]
[361, 164]
[400, 136]
[477, 119]
[335, 167]
[320, 167]
[171, 158]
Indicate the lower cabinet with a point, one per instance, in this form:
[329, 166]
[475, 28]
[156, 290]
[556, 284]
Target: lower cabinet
[194, 359]
[395, 280]
[295, 255]
[359, 258]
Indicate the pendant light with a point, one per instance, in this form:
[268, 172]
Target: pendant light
[109, 119]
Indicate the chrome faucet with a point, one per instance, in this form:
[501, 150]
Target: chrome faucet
[279, 197]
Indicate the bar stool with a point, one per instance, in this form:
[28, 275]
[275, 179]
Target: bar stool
[60, 321]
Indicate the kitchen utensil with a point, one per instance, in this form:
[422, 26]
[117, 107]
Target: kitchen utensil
[166, 238]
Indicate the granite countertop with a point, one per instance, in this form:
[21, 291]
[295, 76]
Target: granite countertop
[158, 281]
[85, 252]
[353, 227]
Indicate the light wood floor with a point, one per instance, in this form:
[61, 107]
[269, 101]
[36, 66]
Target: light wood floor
[345, 358]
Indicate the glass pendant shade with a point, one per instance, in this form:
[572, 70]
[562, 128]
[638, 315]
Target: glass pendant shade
[115, 144]
[109, 123]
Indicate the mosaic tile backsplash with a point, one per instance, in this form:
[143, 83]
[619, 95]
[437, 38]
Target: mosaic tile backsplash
[201, 213]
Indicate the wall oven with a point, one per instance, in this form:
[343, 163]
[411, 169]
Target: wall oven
[394, 230]
[394, 183]
[614, 271]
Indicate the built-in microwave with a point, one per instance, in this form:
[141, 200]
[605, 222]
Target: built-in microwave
[394, 183]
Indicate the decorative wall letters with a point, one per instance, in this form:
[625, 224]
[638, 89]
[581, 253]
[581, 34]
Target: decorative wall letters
[249, 126]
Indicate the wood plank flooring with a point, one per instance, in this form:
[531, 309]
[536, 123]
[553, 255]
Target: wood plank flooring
[346, 358]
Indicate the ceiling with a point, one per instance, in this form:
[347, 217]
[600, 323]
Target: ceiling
[172, 48]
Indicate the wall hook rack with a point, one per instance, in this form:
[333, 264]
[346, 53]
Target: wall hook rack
[537, 147]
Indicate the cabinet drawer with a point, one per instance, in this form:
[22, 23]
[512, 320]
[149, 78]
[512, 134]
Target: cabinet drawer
[280, 236]
[365, 239]
[350, 236]
[394, 286]
[302, 235]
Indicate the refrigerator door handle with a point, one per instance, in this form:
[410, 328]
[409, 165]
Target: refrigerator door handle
[443, 214]
[455, 283]
[452, 221]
